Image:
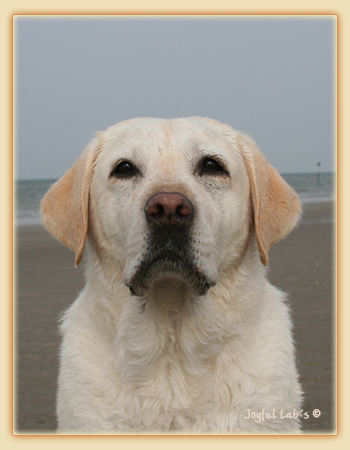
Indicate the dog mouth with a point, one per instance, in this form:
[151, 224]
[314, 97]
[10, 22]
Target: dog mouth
[168, 264]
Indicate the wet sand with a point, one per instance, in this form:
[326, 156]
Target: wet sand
[47, 283]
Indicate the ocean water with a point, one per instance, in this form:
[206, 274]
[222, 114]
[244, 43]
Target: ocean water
[311, 187]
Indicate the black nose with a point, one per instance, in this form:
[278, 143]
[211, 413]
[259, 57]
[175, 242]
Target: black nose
[169, 209]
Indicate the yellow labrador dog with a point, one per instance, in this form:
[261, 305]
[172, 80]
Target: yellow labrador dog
[177, 329]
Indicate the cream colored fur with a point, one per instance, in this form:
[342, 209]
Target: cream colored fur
[170, 360]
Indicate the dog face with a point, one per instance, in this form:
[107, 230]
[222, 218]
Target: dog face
[170, 199]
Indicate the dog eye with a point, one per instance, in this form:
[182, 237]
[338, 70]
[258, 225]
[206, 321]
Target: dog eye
[123, 169]
[210, 165]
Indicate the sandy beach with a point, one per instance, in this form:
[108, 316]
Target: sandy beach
[47, 283]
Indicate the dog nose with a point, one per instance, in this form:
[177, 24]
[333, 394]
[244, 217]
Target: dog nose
[167, 209]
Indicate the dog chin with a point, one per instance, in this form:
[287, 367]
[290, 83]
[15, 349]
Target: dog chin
[167, 268]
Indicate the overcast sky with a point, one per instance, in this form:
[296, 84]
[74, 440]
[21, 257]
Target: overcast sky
[272, 78]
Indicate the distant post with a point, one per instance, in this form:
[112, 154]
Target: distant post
[318, 173]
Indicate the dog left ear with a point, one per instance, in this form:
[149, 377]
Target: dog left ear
[276, 206]
[64, 209]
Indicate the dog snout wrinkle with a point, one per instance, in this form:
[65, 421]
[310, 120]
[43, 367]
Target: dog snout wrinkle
[169, 209]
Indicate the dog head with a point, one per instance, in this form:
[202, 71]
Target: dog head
[170, 199]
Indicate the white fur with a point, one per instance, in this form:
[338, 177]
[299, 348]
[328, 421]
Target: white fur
[170, 360]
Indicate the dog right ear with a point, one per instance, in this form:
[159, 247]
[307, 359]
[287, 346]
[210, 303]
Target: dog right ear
[64, 209]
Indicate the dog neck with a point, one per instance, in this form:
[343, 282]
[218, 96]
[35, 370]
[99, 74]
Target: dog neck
[172, 326]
